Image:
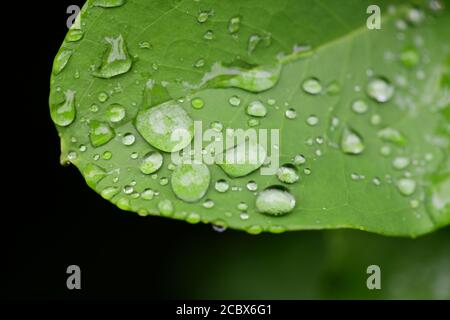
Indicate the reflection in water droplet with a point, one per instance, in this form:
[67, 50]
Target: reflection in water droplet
[203, 16]
[275, 201]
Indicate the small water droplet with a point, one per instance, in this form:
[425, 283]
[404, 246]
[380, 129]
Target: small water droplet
[209, 35]
[102, 96]
[109, 192]
[222, 186]
[312, 120]
[252, 186]
[203, 16]
[107, 155]
[100, 133]
[128, 139]
[312, 86]
[351, 142]
[376, 181]
[392, 135]
[234, 24]
[199, 63]
[375, 119]
[400, 163]
[256, 229]
[409, 57]
[256, 109]
[115, 113]
[74, 35]
[148, 194]
[193, 218]
[244, 216]
[235, 101]
[291, 113]
[61, 60]
[275, 201]
[165, 208]
[208, 204]
[406, 186]
[380, 89]
[360, 106]
[197, 103]
[287, 174]
[217, 126]
[299, 160]
[151, 162]
[253, 122]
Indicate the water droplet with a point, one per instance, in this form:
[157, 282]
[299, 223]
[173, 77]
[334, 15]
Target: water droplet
[83, 148]
[312, 120]
[222, 186]
[165, 208]
[109, 192]
[275, 201]
[409, 57]
[400, 163]
[406, 186]
[74, 35]
[287, 174]
[197, 103]
[256, 229]
[242, 207]
[256, 109]
[164, 181]
[145, 45]
[61, 60]
[219, 226]
[134, 155]
[244, 216]
[234, 24]
[307, 171]
[385, 151]
[151, 163]
[291, 114]
[414, 203]
[375, 119]
[235, 101]
[252, 186]
[115, 113]
[299, 160]
[351, 142]
[148, 194]
[107, 155]
[217, 126]
[93, 174]
[193, 218]
[128, 189]
[100, 133]
[376, 181]
[203, 16]
[243, 159]
[94, 108]
[360, 106]
[63, 114]
[333, 88]
[253, 122]
[128, 139]
[123, 204]
[116, 60]
[392, 135]
[208, 204]
[102, 96]
[253, 42]
[199, 63]
[190, 182]
[312, 86]
[415, 16]
[209, 35]
[166, 127]
[108, 3]
[380, 89]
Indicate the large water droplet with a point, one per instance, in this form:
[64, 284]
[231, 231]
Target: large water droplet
[116, 61]
[167, 127]
[275, 201]
[351, 142]
[190, 182]
[380, 89]
[151, 163]
[63, 114]
[256, 109]
[100, 133]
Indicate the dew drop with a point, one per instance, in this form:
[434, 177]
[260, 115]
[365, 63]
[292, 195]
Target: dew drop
[208, 204]
[222, 186]
[190, 182]
[235, 101]
[151, 162]
[252, 186]
[193, 218]
[256, 109]
[234, 24]
[299, 160]
[74, 35]
[409, 57]
[209, 35]
[116, 60]
[148, 194]
[61, 60]
[392, 135]
[203, 16]
[400, 163]
[287, 174]
[102, 96]
[100, 133]
[312, 86]
[109, 192]
[312, 120]
[256, 229]
[241, 160]
[165, 208]
[197, 103]
[380, 89]
[63, 114]
[107, 155]
[115, 113]
[360, 106]
[275, 201]
[351, 142]
[128, 139]
[406, 186]
[291, 114]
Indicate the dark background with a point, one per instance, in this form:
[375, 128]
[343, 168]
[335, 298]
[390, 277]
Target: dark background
[51, 220]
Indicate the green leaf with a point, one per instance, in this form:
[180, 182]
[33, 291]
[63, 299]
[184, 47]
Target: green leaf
[349, 100]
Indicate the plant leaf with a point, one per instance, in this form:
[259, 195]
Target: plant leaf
[367, 110]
